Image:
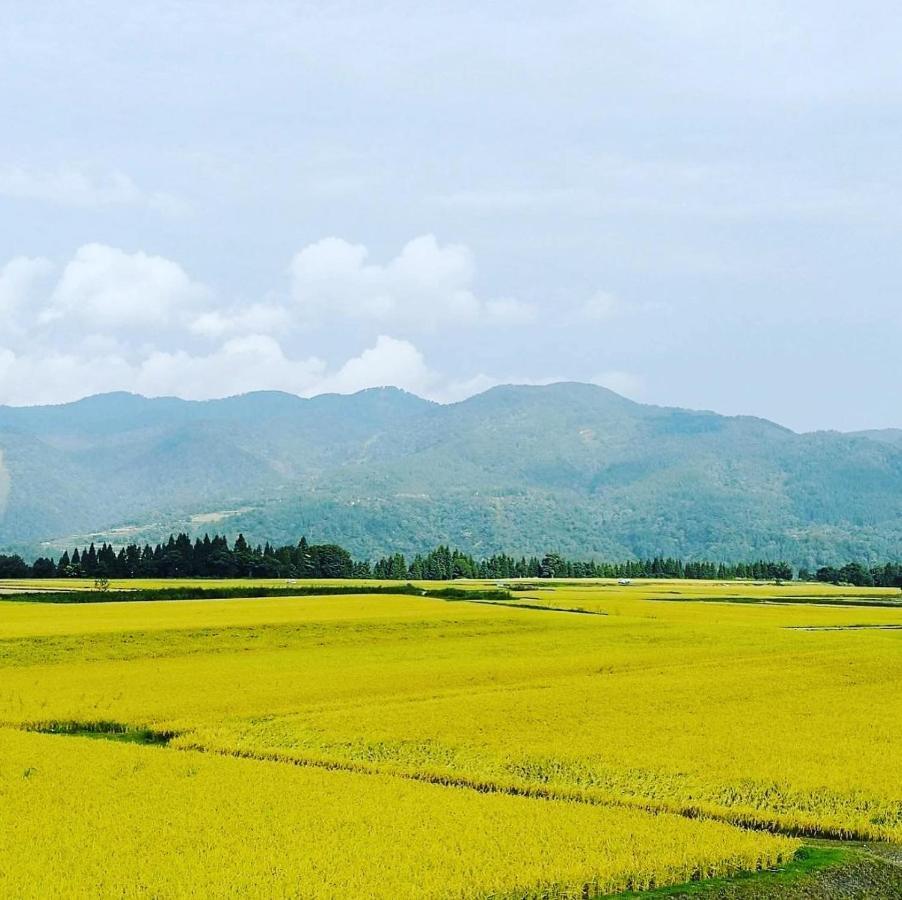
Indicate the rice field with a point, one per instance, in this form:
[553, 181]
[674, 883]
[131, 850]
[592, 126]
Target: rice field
[579, 740]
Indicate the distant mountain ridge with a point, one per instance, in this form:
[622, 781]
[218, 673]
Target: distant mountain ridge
[888, 435]
[569, 467]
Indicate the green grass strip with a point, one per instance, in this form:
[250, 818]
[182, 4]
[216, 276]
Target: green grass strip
[250, 593]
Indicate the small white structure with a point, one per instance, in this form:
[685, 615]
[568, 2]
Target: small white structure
[624, 581]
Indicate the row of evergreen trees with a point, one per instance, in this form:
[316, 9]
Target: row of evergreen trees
[214, 557]
[207, 557]
[889, 575]
[443, 563]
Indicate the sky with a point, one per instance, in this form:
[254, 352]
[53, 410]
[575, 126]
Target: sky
[693, 203]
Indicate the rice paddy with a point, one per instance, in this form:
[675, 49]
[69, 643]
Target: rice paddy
[408, 746]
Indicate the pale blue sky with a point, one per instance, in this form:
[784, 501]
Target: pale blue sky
[695, 203]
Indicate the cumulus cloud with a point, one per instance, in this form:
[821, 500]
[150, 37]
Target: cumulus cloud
[426, 285]
[110, 289]
[389, 362]
[44, 375]
[72, 187]
[249, 363]
[258, 318]
[111, 319]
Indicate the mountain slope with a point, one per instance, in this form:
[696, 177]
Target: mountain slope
[571, 467]
[887, 435]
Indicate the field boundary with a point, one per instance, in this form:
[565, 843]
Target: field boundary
[141, 595]
[888, 603]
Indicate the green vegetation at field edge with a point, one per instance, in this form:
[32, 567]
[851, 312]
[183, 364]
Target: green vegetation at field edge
[109, 731]
[815, 600]
[251, 592]
[819, 871]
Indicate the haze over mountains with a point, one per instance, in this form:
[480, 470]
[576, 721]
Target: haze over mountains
[567, 467]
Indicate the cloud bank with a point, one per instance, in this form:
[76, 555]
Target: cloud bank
[111, 319]
[426, 285]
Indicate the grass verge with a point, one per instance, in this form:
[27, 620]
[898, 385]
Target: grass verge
[819, 871]
[249, 593]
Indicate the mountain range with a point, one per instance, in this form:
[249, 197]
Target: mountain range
[568, 467]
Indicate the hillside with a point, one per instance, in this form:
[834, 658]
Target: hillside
[571, 467]
[888, 435]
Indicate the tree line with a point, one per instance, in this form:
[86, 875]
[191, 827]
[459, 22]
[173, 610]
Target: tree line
[444, 563]
[180, 557]
[215, 557]
[888, 575]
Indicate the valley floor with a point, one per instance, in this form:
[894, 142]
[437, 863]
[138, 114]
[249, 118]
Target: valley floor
[572, 740]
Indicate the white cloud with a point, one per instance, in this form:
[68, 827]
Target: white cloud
[135, 299]
[108, 289]
[108, 319]
[258, 318]
[72, 187]
[250, 363]
[41, 375]
[424, 286]
[389, 362]
[241, 364]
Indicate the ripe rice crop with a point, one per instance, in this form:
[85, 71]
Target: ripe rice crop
[88, 817]
[781, 717]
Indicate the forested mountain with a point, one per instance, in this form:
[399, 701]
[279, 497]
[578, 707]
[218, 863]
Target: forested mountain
[572, 468]
[888, 435]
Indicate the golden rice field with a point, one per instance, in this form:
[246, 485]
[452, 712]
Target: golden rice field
[584, 739]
